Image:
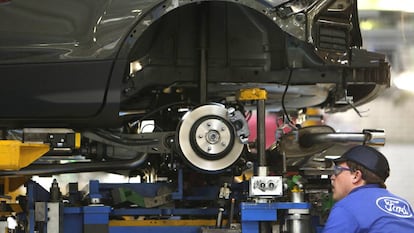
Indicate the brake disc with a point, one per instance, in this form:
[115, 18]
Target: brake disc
[207, 138]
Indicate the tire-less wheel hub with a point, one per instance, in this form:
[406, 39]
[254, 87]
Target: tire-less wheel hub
[207, 138]
[212, 137]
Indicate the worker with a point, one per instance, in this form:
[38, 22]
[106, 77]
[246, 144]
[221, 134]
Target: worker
[363, 202]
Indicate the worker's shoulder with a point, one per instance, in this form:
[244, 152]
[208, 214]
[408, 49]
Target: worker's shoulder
[361, 199]
[379, 200]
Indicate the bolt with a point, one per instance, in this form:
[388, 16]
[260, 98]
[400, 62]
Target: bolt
[300, 18]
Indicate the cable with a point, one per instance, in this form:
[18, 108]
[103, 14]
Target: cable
[161, 108]
[285, 113]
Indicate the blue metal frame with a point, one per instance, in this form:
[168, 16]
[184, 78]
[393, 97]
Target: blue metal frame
[77, 218]
[254, 213]
[35, 193]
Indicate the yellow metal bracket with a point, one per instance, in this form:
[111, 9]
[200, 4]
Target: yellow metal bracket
[15, 155]
[14, 208]
[252, 94]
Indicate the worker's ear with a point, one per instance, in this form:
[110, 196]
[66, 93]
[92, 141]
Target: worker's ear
[357, 176]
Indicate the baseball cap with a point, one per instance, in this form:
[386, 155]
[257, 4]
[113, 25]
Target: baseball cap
[368, 157]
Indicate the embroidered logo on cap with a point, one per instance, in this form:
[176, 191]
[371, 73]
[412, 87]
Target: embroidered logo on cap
[395, 207]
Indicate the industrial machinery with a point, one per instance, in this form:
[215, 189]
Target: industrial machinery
[166, 90]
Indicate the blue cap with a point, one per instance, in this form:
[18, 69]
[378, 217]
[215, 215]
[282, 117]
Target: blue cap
[368, 157]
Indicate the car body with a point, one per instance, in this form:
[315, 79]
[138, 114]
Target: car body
[107, 64]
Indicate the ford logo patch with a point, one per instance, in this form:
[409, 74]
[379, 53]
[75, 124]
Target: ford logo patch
[394, 206]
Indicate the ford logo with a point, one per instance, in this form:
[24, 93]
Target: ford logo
[395, 207]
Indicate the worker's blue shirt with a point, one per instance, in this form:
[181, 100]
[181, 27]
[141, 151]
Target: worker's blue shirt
[370, 209]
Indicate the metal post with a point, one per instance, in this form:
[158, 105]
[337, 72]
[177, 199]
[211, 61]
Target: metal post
[203, 53]
[261, 135]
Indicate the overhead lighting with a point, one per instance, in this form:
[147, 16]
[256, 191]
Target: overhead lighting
[386, 5]
[405, 81]
[134, 67]
[366, 25]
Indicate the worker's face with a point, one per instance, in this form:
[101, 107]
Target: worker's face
[342, 181]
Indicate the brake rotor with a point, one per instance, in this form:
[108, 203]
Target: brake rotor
[207, 139]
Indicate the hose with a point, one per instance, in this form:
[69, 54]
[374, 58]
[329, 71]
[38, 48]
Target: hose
[50, 169]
